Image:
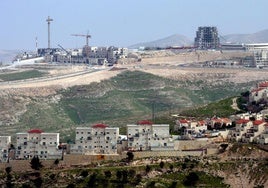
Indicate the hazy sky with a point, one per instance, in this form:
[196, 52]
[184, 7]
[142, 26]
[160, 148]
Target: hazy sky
[122, 22]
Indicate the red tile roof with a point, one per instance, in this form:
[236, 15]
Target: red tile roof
[38, 131]
[183, 121]
[144, 122]
[257, 122]
[100, 125]
[256, 90]
[263, 84]
[202, 122]
[241, 121]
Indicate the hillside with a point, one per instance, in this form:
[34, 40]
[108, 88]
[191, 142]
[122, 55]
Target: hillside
[6, 56]
[181, 40]
[258, 37]
[173, 40]
[118, 96]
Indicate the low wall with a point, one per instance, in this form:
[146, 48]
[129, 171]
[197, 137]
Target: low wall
[72, 159]
[190, 144]
[143, 154]
[77, 160]
[24, 165]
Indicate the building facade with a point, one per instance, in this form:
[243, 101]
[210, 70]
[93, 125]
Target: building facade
[148, 136]
[260, 53]
[207, 38]
[38, 143]
[98, 139]
[5, 142]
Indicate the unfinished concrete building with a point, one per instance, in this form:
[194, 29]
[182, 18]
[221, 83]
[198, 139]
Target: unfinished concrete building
[207, 38]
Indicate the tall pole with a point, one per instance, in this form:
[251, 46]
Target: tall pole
[48, 30]
[36, 45]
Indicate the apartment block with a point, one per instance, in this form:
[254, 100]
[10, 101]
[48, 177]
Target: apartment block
[5, 142]
[35, 142]
[207, 38]
[98, 139]
[148, 136]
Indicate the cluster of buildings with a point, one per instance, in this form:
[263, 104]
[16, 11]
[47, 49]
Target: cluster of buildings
[207, 38]
[100, 139]
[87, 55]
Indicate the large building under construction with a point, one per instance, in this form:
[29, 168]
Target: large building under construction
[207, 38]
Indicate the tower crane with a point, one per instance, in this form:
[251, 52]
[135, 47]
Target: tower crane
[83, 35]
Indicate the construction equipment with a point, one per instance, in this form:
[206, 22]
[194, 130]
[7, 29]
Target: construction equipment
[68, 53]
[83, 35]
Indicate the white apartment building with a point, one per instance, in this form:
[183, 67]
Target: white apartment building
[242, 125]
[263, 138]
[257, 128]
[260, 51]
[98, 139]
[258, 94]
[5, 142]
[38, 143]
[148, 136]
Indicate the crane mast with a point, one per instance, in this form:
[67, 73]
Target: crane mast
[86, 49]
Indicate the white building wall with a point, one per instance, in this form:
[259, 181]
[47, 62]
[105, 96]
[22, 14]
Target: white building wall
[44, 145]
[149, 137]
[5, 142]
[96, 140]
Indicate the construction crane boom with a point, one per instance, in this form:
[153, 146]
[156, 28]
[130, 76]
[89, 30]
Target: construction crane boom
[82, 35]
[68, 53]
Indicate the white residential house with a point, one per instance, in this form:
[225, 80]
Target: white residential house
[148, 136]
[263, 138]
[38, 143]
[98, 139]
[260, 93]
[248, 116]
[181, 123]
[257, 128]
[198, 126]
[5, 142]
[242, 125]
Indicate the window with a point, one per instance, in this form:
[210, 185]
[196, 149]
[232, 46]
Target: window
[44, 143]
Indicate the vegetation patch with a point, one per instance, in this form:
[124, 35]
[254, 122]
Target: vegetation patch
[22, 75]
[220, 108]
